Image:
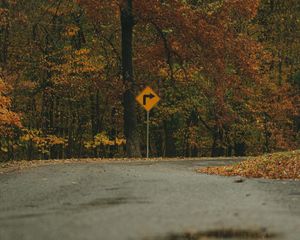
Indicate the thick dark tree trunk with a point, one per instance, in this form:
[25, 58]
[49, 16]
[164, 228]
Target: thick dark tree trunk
[267, 134]
[214, 150]
[130, 120]
[240, 149]
[170, 147]
[113, 133]
[4, 40]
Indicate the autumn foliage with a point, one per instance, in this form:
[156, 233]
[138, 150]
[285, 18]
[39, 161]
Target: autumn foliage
[272, 166]
[227, 72]
[8, 118]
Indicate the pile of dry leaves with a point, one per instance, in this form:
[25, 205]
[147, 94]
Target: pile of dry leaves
[273, 166]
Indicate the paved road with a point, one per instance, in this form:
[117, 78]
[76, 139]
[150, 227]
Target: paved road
[141, 201]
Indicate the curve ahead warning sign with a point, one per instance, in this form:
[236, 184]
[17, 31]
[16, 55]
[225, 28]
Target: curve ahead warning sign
[148, 98]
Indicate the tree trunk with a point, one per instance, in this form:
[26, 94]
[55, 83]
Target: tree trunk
[267, 134]
[214, 150]
[170, 147]
[240, 149]
[129, 104]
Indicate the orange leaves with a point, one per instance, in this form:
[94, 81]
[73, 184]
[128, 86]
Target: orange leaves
[177, 31]
[201, 55]
[242, 8]
[3, 17]
[246, 56]
[274, 166]
[61, 9]
[102, 12]
[7, 117]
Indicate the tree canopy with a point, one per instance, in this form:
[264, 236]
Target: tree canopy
[227, 72]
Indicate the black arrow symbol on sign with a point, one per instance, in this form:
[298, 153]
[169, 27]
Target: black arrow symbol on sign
[150, 96]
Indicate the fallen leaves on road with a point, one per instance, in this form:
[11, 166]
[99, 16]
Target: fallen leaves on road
[272, 166]
[12, 166]
[20, 165]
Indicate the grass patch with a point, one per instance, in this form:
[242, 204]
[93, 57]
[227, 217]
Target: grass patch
[285, 165]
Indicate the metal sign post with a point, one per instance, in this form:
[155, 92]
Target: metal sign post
[148, 123]
[148, 99]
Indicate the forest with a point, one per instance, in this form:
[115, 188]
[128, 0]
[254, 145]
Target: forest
[227, 73]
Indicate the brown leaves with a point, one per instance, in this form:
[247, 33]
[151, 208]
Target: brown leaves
[242, 8]
[274, 166]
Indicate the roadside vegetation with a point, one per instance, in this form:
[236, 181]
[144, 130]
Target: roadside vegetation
[285, 165]
[227, 73]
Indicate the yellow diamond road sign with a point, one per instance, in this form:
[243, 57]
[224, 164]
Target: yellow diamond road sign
[148, 98]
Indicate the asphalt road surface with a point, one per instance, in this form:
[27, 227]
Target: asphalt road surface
[151, 201]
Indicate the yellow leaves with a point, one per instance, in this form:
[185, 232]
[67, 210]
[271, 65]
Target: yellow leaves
[53, 140]
[102, 139]
[78, 67]
[163, 72]
[4, 149]
[43, 143]
[82, 52]
[30, 135]
[120, 141]
[71, 30]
